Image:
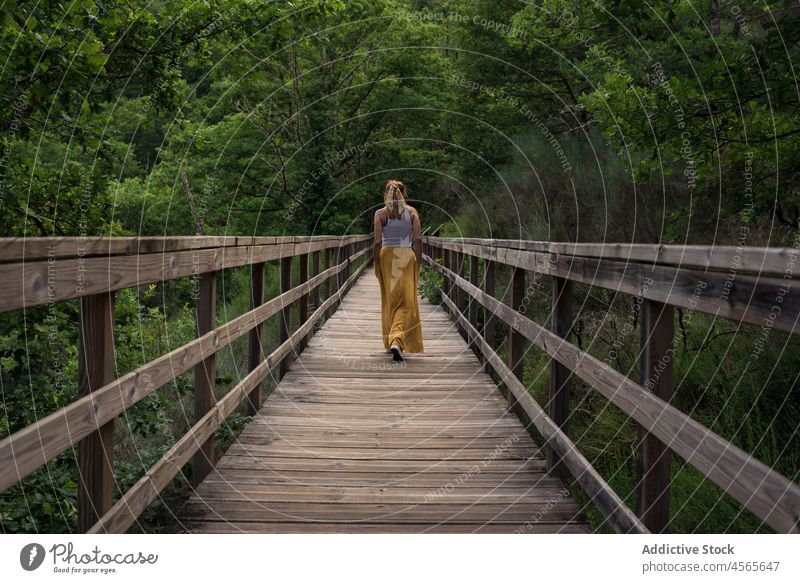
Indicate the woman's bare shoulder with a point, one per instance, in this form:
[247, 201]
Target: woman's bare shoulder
[412, 210]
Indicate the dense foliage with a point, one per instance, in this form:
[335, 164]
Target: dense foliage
[664, 121]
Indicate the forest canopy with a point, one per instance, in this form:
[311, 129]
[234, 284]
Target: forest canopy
[256, 117]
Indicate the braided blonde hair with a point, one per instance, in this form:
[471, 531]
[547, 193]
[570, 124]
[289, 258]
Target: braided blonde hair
[394, 195]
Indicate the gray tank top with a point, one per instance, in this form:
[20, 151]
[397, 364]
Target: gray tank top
[397, 232]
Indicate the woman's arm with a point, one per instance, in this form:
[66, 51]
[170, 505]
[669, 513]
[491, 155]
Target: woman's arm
[416, 235]
[377, 241]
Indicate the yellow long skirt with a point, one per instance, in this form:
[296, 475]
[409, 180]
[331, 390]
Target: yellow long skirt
[398, 274]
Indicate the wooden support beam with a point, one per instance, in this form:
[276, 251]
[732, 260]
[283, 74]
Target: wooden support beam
[256, 346]
[349, 251]
[654, 458]
[286, 312]
[303, 301]
[558, 403]
[447, 261]
[95, 369]
[315, 269]
[205, 372]
[472, 304]
[515, 338]
[459, 269]
[489, 319]
[330, 255]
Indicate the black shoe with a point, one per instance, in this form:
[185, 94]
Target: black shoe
[397, 353]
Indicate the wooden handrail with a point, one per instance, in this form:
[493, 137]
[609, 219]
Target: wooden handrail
[101, 402]
[18, 249]
[769, 495]
[746, 298]
[26, 283]
[761, 260]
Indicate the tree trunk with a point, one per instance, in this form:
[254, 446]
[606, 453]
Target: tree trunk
[714, 9]
[198, 221]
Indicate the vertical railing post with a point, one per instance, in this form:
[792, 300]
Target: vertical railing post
[315, 264]
[343, 259]
[361, 247]
[654, 458]
[256, 346]
[515, 339]
[340, 276]
[205, 372]
[472, 302]
[558, 403]
[95, 369]
[351, 266]
[286, 311]
[348, 251]
[459, 291]
[315, 293]
[488, 316]
[330, 253]
[303, 301]
[446, 261]
[341, 256]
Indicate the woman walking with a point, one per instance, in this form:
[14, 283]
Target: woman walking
[398, 255]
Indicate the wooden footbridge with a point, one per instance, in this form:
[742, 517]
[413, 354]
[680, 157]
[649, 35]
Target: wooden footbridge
[348, 440]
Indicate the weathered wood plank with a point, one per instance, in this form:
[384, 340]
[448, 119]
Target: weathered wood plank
[95, 369]
[34, 283]
[767, 301]
[764, 260]
[372, 527]
[285, 324]
[515, 339]
[303, 301]
[343, 437]
[32, 248]
[252, 511]
[255, 342]
[558, 404]
[204, 372]
[654, 458]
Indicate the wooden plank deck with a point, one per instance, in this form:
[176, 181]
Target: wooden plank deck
[351, 442]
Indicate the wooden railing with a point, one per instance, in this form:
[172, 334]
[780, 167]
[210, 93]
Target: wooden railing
[39, 271]
[746, 285]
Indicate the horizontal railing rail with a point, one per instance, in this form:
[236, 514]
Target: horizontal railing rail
[759, 260]
[737, 294]
[31, 274]
[662, 428]
[116, 264]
